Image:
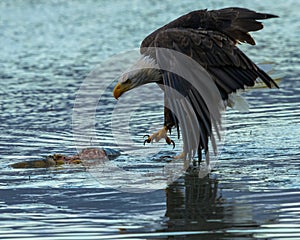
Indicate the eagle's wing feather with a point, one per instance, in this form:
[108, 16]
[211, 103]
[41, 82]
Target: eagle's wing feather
[188, 110]
[234, 22]
[229, 67]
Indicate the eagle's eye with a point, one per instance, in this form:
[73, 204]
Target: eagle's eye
[128, 81]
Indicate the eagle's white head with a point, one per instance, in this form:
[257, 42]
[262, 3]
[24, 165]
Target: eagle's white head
[144, 71]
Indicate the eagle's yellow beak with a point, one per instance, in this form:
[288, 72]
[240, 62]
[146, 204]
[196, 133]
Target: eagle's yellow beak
[122, 87]
[117, 91]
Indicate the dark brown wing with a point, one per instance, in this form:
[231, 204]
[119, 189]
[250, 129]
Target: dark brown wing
[229, 69]
[235, 23]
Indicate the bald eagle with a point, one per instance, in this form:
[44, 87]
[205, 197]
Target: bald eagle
[209, 39]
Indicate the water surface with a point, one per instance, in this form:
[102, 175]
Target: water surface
[49, 48]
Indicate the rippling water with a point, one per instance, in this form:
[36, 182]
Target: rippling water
[50, 47]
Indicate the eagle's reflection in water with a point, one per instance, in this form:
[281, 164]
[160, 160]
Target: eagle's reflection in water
[194, 204]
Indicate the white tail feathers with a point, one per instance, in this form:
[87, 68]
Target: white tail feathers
[269, 68]
[237, 102]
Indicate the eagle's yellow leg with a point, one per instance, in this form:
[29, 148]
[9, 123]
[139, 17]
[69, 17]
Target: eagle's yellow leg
[162, 133]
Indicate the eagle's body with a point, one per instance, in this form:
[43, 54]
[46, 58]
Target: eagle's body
[210, 39]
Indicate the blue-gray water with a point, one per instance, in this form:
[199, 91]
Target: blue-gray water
[47, 50]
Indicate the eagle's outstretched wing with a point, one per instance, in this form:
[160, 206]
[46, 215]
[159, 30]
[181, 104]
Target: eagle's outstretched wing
[228, 66]
[233, 22]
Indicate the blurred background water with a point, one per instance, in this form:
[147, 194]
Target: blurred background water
[48, 48]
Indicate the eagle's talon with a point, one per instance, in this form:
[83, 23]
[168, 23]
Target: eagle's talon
[173, 143]
[169, 141]
[148, 136]
[147, 141]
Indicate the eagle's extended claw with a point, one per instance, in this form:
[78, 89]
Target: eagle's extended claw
[148, 140]
[170, 141]
[158, 136]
